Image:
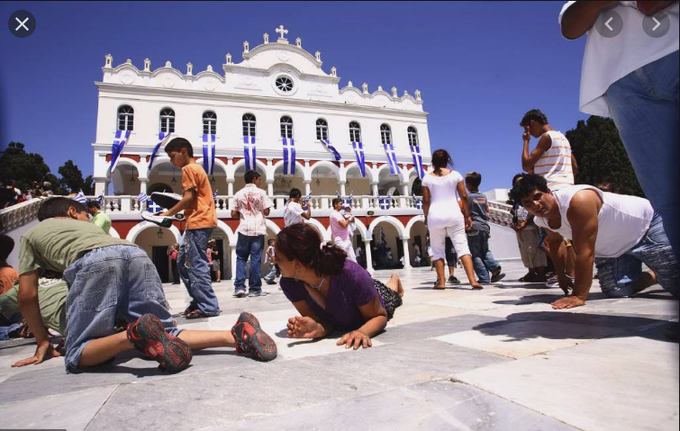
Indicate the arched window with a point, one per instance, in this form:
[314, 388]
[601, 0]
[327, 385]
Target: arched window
[209, 123]
[286, 127]
[321, 130]
[249, 125]
[354, 132]
[126, 118]
[412, 137]
[385, 134]
[167, 120]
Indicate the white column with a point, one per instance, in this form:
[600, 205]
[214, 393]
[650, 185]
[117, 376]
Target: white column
[230, 186]
[270, 187]
[404, 190]
[308, 187]
[233, 260]
[369, 258]
[342, 189]
[99, 186]
[374, 188]
[407, 254]
[143, 182]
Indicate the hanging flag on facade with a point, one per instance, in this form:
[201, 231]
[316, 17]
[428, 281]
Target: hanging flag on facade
[361, 157]
[208, 153]
[288, 156]
[392, 159]
[327, 145]
[249, 152]
[418, 161]
[162, 140]
[119, 142]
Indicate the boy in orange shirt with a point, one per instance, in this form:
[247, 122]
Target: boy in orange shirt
[201, 218]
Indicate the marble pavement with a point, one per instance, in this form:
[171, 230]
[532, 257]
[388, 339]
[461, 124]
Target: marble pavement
[499, 359]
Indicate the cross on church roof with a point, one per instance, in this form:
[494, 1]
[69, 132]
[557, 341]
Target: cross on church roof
[282, 31]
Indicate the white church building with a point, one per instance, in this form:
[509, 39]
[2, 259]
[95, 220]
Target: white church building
[278, 95]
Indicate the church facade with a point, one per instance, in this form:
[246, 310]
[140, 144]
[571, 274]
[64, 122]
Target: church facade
[368, 147]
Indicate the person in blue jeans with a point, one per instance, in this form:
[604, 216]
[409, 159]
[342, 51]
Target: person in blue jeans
[198, 205]
[617, 233]
[633, 78]
[109, 279]
[486, 266]
[251, 206]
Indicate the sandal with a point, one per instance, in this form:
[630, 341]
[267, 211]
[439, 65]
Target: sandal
[196, 315]
[436, 286]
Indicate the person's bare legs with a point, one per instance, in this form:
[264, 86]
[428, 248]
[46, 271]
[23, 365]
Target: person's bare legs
[219, 276]
[470, 271]
[395, 284]
[98, 351]
[441, 280]
[647, 279]
[199, 340]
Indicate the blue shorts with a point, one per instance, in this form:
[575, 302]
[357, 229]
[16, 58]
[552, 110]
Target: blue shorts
[618, 276]
[112, 282]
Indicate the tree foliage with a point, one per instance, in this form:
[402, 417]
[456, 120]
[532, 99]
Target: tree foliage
[601, 157]
[72, 179]
[22, 167]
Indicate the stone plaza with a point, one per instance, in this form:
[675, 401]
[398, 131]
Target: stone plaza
[497, 359]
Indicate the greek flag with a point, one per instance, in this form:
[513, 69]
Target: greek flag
[249, 152]
[288, 156]
[153, 207]
[385, 203]
[327, 145]
[418, 160]
[350, 199]
[209, 153]
[383, 239]
[392, 159]
[215, 196]
[100, 199]
[143, 198]
[80, 197]
[162, 139]
[419, 204]
[122, 137]
[361, 157]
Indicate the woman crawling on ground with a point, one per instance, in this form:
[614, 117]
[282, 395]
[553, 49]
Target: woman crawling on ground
[331, 292]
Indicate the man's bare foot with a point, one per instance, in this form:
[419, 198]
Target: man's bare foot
[395, 284]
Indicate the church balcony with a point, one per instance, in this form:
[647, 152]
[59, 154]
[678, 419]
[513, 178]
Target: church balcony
[130, 208]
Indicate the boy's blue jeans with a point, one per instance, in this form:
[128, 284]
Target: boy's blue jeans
[619, 275]
[644, 106]
[199, 282]
[482, 259]
[246, 246]
[106, 283]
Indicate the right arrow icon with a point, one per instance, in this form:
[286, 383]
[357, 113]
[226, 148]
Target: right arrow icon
[658, 24]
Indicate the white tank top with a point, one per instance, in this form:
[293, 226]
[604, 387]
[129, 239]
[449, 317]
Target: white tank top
[555, 164]
[622, 222]
[444, 209]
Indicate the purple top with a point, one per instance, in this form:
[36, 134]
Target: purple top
[349, 290]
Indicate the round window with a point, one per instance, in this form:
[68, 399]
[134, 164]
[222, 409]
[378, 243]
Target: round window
[284, 84]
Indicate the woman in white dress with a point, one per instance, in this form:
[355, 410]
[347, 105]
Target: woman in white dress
[444, 217]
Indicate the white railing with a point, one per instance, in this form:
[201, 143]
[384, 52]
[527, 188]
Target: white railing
[128, 207]
[500, 213]
[19, 215]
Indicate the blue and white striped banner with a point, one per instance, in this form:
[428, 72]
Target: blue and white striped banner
[383, 239]
[418, 160]
[288, 156]
[361, 157]
[208, 153]
[80, 197]
[143, 198]
[162, 139]
[392, 159]
[349, 200]
[327, 145]
[249, 152]
[122, 137]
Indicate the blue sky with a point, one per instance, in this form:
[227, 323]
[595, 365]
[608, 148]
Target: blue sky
[479, 65]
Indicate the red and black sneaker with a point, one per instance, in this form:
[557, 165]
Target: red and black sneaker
[251, 339]
[149, 337]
